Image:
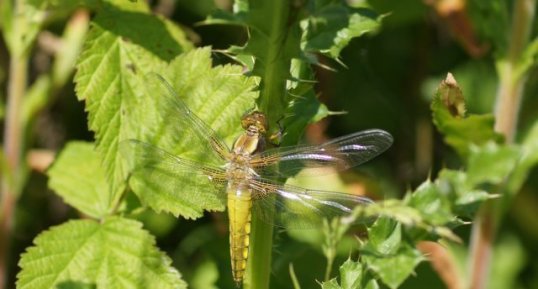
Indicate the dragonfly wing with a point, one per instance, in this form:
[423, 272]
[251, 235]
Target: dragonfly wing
[298, 208]
[192, 137]
[341, 153]
[166, 182]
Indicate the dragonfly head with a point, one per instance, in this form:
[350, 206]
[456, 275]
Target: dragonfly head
[254, 121]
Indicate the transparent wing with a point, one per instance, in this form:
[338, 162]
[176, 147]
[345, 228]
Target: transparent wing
[167, 182]
[341, 153]
[298, 208]
[190, 134]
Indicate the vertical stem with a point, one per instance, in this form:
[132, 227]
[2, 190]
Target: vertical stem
[506, 114]
[511, 85]
[273, 70]
[329, 268]
[9, 189]
[273, 86]
[12, 152]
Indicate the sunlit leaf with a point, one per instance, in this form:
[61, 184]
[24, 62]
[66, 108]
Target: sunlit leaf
[352, 276]
[529, 159]
[385, 236]
[491, 163]
[411, 218]
[394, 269]
[432, 203]
[121, 47]
[115, 253]
[331, 284]
[219, 96]
[79, 178]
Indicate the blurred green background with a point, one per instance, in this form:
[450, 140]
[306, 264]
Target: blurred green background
[388, 82]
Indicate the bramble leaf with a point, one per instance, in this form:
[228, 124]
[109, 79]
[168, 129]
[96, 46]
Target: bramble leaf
[78, 177]
[114, 253]
[219, 96]
[121, 47]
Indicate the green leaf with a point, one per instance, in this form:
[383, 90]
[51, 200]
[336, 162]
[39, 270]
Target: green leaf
[528, 59]
[351, 274]
[402, 213]
[393, 270]
[491, 163]
[224, 17]
[351, 277]
[469, 203]
[529, 159]
[79, 178]
[219, 96]
[371, 284]
[121, 47]
[305, 108]
[329, 29]
[22, 24]
[385, 236]
[465, 197]
[114, 253]
[64, 8]
[331, 284]
[432, 203]
[448, 109]
[271, 46]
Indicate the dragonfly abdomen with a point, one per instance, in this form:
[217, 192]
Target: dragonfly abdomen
[239, 205]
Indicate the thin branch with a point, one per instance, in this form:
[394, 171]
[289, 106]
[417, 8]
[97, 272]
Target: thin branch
[443, 263]
[12, 153]
[506, 114]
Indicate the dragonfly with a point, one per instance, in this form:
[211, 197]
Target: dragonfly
[244, 176]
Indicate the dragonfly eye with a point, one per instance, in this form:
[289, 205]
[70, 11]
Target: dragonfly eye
[255, 119]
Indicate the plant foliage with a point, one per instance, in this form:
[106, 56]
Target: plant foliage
[289, 44]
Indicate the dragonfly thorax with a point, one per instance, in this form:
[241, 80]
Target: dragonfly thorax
[247, 143]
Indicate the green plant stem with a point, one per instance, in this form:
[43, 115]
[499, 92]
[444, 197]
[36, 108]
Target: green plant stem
[12, 152]
[329, 268]
[273, 84]
[511, 84]
[272, 102]
[509, 96]
[294, 280]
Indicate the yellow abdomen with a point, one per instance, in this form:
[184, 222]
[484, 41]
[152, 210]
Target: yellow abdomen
[239, 205]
